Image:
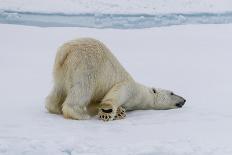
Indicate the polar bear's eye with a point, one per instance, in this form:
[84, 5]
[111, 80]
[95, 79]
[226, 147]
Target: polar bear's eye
[154, 91]
[171, 93]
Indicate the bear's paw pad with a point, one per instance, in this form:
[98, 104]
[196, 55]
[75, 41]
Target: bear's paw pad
[105, 115]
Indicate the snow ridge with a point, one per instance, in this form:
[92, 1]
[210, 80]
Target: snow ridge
[119, 21]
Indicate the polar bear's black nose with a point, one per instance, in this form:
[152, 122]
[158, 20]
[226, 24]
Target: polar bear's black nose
[180, 104]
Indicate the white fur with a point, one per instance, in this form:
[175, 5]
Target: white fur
[86, 73]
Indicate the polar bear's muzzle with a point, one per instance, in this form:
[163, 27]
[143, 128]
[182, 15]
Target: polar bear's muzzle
[180, 104]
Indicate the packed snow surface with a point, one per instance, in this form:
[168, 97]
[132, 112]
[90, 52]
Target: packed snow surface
[194, 61]
[121, 14]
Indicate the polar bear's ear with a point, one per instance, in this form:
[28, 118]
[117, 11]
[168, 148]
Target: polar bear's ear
[153, 89]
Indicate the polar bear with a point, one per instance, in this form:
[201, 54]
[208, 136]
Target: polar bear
[89, 79]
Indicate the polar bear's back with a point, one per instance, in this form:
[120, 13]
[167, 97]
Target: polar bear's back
[88, 59]
[84, 50]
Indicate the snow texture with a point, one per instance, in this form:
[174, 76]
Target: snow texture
[193, 60]
[121, 14]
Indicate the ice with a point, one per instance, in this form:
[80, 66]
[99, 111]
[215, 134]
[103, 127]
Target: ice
[120, 14]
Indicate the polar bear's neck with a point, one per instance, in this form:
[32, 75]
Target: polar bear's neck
[141, 99]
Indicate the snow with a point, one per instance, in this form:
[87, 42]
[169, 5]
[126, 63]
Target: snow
[192, 60]
[116, 7]
[120, 14]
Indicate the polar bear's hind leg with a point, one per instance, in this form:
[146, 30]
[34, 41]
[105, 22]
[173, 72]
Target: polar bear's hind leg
[55, 100]
[75, 104]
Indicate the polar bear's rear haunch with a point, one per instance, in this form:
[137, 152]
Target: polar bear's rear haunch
[86, 74]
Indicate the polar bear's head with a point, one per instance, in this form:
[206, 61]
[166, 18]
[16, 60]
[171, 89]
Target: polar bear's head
[165, 99]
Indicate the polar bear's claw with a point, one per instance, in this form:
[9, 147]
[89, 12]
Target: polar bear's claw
[121, 113]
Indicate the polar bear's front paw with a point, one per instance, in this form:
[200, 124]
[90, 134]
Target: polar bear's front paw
[105, 116]
[121, 113]
[106, 112]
